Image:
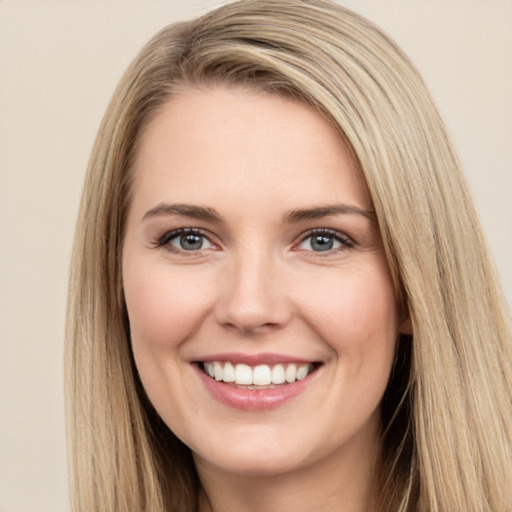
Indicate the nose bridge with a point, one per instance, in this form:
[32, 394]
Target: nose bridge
[252, 293]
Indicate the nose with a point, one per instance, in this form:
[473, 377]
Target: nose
[252, 297]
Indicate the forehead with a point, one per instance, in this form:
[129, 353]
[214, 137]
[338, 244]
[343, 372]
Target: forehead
[233, 140]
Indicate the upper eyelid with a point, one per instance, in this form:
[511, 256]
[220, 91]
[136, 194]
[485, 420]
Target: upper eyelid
[346, 241]
[168, 235]
[327, 231]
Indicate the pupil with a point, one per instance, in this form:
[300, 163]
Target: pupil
[191, 242]
[322, 243]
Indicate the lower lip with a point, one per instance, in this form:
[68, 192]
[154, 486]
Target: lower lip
[254, 399]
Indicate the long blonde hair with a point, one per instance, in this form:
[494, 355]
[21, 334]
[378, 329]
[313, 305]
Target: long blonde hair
[447, 412]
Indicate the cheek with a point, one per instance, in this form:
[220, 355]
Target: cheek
[355, 313]
[354, 305]
[164, 307]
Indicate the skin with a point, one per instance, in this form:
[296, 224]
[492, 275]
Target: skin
[256, 286]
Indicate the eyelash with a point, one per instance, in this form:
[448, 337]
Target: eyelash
[345, 241]
[164, 240]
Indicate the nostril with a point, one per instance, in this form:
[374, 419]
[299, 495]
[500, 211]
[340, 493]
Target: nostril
[257, 317]
[251, 327]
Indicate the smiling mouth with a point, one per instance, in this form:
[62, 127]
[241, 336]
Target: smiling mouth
[256, 377]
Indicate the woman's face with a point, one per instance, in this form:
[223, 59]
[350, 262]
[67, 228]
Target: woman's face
[251, 254]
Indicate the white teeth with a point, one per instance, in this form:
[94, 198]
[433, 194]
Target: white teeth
[243, 374]
[229, 373]
[302, 371]
[217, 371]
[261, 375]
[278, 374]
[291, 373]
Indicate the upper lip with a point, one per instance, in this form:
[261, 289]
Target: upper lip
[253, 359]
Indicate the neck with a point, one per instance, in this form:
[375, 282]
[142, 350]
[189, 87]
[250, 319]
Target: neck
[342, 482]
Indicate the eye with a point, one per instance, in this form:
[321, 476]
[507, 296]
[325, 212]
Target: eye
[185, 240]
[323, 241]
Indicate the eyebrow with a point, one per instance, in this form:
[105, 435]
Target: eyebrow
[302, 214]
[291, 217]
[185, 210]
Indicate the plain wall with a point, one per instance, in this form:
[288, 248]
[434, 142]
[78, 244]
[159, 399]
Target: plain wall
[59, 63]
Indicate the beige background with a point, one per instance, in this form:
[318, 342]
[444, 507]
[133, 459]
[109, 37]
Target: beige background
[59, 62]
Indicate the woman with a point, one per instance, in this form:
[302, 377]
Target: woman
[280, 292]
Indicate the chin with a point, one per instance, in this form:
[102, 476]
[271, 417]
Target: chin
[253, 461]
